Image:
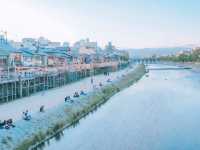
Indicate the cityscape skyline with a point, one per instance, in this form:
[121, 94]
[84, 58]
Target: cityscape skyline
[130, 24]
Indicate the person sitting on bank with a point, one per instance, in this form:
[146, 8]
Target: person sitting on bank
[42, 108]
[82, 92]
[2, 124]
[7, 126]
[9, 123]
[76, 94]
[95, 87]
[100, 84]
[67, 98]
[109, 80]
[26, 116]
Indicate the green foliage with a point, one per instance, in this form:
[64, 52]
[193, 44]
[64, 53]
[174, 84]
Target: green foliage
[193, 56]
[35, 139]
[58, 126]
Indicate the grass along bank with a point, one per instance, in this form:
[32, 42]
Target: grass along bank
[52, 122]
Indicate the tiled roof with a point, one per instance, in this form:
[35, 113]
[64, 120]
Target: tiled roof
[4, 53]
[5, 49]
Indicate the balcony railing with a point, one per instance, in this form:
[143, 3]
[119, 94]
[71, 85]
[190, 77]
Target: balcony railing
[32, 72]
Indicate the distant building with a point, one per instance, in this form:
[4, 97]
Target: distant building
[43, 42]
[66, 44]
[4, 59]
[85, 47]
[112, 53]
[27, 58]
[16, 45]
[110, 47]
[29, 43]
[53, 44]
[32, 54]
[5, 52]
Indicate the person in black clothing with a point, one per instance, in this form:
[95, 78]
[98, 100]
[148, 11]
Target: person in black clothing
[92, 80]
[42, 108]
[2, 124]
[82, 92]
[76, 94]
[100, 84]
[7, 124]
[67, 98]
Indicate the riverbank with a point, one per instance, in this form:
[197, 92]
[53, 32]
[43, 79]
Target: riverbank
[54, 97]
[45, 125]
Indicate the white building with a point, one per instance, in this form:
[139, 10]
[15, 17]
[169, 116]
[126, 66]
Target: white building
[43, 42]
[66, 44]
[16, 45]
[53, 44]
[86, 47]
[30, 43]
[110, 47]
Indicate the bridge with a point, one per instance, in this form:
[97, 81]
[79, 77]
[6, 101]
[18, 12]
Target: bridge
[145, 60]
[169, 68]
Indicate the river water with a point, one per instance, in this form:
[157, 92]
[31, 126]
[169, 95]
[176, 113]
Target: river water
[160, 112]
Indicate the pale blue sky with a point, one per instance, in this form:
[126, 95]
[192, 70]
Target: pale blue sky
[128, 23]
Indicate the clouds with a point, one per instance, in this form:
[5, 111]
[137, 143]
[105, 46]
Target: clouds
[22, 19]
[128, 23]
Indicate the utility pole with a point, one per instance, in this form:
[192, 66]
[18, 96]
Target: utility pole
[3, 40]
[6, 39]
[3, 37]
[37, 46]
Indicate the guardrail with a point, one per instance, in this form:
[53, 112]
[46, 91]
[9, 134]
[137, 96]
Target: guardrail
[32, 72]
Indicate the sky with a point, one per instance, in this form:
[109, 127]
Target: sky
[127, 23]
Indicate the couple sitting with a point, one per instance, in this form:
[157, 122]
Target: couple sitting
[76, 94]
[26, 116]
[67, 98]
[100, 84]
[82, 93]
[109, 80]
[6, 124]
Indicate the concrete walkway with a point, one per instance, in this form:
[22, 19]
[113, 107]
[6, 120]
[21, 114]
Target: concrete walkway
[53, 97]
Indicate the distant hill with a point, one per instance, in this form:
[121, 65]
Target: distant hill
[147, 52]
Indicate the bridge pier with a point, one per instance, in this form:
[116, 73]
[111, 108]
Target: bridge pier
[145, 61]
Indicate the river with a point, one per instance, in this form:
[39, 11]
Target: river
[160, 112]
